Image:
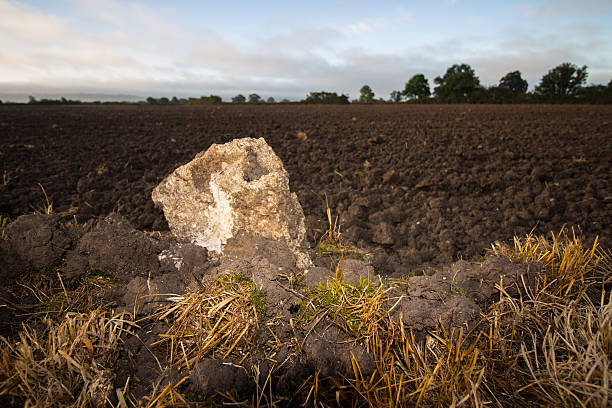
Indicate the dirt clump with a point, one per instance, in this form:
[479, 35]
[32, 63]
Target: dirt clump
[35, 240]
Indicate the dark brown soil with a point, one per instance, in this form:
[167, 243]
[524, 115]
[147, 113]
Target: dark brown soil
[416, 184]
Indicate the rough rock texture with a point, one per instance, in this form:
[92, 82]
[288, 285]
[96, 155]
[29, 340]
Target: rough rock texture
[230, 194]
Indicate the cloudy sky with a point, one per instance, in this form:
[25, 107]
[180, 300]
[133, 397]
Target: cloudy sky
[288, 48]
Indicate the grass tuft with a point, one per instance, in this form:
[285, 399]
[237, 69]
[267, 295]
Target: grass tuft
[332, 244]
[214, 322]
[358, 309]
[47, 207]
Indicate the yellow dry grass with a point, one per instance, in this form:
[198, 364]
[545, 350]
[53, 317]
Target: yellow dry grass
[63, 365]
[214, 322]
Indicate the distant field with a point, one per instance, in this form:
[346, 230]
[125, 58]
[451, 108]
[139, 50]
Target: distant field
[418, 184]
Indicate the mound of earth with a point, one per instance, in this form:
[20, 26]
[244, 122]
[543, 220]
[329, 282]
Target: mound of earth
[149, 271]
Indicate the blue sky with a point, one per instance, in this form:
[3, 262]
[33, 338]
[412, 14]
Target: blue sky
[286, 49]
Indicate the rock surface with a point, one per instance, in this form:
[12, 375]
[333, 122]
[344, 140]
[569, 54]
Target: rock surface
[231, 195]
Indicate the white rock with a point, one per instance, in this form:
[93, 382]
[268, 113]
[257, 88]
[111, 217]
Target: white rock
[231, 194]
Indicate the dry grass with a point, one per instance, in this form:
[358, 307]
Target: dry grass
[55, 297]
[47, 206]
[65, 365]
[3, 222]
[214, 322]
[332, 244]
[545, 343]
[551, 345]
[359, 310]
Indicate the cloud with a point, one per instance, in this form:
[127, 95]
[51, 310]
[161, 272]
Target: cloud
[28, 24]
[135, 49]
[557, 8]
[367, 26]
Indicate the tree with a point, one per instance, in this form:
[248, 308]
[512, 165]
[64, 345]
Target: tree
[514, 82]
[164, 101]
[457, 85]
[326, 97]
[32, 100]
[271, 100]
[254, 98]
[366, 95]
[206, 100]
[395, 96]
[239, 99]
[564, 79]
[417, 87]
[151, 100]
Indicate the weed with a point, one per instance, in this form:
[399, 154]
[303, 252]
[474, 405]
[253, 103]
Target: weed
[331, 242]
[3, 222]
[358, 309]
[47, 207]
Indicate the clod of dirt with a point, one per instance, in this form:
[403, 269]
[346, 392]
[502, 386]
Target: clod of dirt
[115, 247]
[35, 240]
[240, 187]
[268, 277]
[451, 296]
[452, 311]
[383, 234]
[219, 376]
[328, 350]
[351, 270]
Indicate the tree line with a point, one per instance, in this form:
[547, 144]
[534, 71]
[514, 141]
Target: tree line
[563, 84]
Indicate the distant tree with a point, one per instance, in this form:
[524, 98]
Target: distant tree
[285, 100]
[366, 95]
[174, 100]
[239, 99]
[271, 100]
[610, 84]
[457, 85]
[31, 99]
[254, 98]
[205, 100]
[395, 96]
[514, 82]
[564, 79]
[417, 87]
[151, 100]
[326, 97]
[164, 101]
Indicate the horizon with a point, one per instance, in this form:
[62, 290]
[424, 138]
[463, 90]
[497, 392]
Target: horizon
[287, 49]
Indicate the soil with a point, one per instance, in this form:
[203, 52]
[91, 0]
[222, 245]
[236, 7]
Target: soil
[416, 186]
[423, 184]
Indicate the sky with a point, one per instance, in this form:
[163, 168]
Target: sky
[286, 49]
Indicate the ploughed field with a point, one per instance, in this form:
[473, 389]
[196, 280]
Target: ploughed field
[413, 184]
